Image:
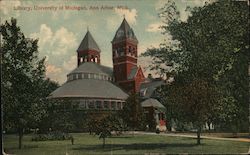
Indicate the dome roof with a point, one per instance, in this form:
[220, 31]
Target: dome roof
[90, 67]
[89, 88]
[90, 80]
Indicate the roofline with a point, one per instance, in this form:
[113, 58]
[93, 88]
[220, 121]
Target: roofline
[126, 39]
[84, 97]
[89, 49]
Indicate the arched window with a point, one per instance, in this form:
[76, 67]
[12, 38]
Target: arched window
[129, 50]
[92, 58]
[115, 53]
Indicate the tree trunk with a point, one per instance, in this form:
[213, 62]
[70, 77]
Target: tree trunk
[199, 136]
[20, 134]
[103, 142]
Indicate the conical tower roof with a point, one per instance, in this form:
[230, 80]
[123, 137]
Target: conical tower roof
[124, 32]
[88, 43]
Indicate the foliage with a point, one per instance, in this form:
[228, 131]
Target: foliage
[208, 57]
[22, 80]
[51, 136]
[104, 130]
[132, 113]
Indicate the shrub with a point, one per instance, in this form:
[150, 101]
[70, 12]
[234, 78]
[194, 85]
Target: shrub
[51, 136]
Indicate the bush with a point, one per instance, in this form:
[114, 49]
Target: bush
[157, 131]
[52, 136]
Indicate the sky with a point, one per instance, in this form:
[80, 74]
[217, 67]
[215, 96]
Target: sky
[61, 30]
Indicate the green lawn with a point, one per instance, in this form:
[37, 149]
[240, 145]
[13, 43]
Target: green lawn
[125, 144]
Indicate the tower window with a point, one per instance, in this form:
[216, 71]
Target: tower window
[115, 53]
[92, 59]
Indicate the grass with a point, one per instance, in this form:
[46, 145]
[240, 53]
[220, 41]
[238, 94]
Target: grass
[126, 144]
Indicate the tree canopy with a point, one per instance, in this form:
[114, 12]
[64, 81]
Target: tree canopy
[24, 87]
[208, 58]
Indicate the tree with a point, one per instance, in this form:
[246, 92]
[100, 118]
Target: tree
[46, 86]
[22, 72]
[208, 50]
[104, 130]
[132, 113]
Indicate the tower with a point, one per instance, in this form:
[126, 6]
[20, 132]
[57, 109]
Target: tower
[88, 50]
[124, 50]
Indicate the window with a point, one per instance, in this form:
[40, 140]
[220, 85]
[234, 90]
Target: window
[98, 104]
[123, 104]
[82, 104]
[115, 53]
[119, 106]
[91, 105]
[143, 92]
[100, 77]
[120, 51]
[79, 76]
[92, 76]
[74, 76]
[129, 50]
[106, 104]
[70, 77]
[85, 76]
[113, 105]
[87, 104]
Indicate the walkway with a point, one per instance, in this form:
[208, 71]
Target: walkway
[192, 136]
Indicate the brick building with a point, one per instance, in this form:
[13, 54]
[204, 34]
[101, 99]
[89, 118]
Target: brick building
[103, 89]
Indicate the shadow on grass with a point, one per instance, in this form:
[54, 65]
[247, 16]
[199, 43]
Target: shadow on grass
[120, 137]
[133, 146]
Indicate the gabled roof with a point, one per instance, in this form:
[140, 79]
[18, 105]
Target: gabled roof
[152, 103]
[88, 43]
[124, 32]
[90, 67]
[133, 72]
[148, 88]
